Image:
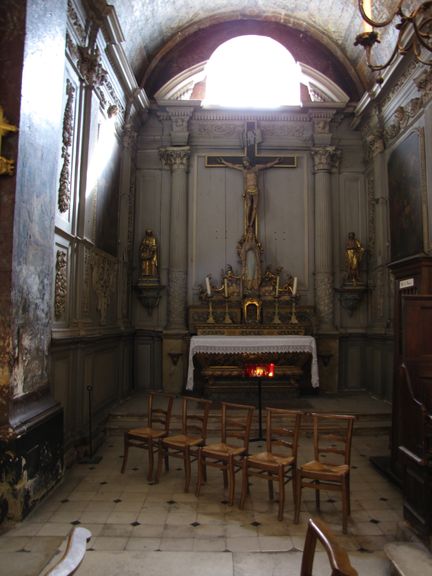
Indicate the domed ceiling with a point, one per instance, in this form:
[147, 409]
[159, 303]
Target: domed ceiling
[165, 37]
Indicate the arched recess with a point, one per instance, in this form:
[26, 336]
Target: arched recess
[186, 51]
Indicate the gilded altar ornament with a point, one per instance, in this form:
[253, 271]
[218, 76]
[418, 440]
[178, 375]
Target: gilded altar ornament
[148, 286]
[353, 289]
[149, 257]
[353, 256]
[7, 167]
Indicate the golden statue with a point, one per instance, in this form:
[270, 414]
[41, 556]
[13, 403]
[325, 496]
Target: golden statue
[250, 184]
[148, 256]
[353, 255]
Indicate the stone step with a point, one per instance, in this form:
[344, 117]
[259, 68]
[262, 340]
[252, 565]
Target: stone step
[366, 424]
[409, 558]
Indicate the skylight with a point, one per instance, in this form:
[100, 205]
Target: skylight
[252, 72]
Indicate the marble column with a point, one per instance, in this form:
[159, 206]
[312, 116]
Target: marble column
[177, 159]
[324, 161]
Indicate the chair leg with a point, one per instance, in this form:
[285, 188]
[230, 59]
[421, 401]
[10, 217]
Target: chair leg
[125, 452]
[187, 467]
[294, 480]
[150, 460]
[270, 486]
[297, 498]
[231, 480]
[245, 483]
[281, 493]
[161, 457]
[200, 466]
[344, 506]
[317, 496]
[348, 494]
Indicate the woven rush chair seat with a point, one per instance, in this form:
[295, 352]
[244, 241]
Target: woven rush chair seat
[159, 409]
[195, 413]
[278, 462]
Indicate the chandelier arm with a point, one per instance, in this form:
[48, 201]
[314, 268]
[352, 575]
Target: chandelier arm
[417, 54]
[386, 22]
[424, 37]
[379, 67]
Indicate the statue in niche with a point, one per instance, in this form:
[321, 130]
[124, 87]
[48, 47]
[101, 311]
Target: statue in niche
[249, 250]
[250, 186]
[149, 256]
[353, 256]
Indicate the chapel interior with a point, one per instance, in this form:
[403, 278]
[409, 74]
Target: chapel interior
[158, 235]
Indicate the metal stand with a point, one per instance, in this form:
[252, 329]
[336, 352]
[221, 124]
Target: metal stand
[227, 319]
[260, 436]
[90, 459]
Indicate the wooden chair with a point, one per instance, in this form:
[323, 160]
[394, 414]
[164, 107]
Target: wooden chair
[159, 409]
[193, 435]
[339, 561]
[226, 455]
[279, 461]
[332, 435]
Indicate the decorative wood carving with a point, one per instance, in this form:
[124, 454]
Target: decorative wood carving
[61, 286]
[103, 280]
[64, 195]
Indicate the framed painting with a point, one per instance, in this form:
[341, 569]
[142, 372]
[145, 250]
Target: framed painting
[406, 181]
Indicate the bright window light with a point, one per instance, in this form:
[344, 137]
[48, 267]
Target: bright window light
[252, 72]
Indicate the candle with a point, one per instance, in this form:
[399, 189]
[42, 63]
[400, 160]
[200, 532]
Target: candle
[294, 288]
[367, 8]
[208, 286]
[277, 285]
[225, 288]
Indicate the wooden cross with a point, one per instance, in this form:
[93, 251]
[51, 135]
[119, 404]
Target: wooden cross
[250, 163]
[251, 152]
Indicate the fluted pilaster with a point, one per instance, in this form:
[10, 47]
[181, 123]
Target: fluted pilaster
[177, 159]
[325, 159]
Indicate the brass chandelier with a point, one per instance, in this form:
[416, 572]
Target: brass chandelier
[415, 33]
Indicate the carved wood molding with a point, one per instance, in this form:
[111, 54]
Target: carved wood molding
[64, 194]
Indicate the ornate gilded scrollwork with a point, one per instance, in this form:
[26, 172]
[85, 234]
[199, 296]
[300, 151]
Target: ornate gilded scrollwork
[7, 166]
[60, 293]
[64, 184]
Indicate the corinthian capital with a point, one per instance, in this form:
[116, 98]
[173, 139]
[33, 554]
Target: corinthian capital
[176, 158]
[325, 158]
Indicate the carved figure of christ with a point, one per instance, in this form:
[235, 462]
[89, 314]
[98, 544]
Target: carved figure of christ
[250, 164]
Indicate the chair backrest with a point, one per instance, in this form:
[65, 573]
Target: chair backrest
[338, 558]
[195, 413]
[236, 422]
[159, 410]
[282, 430]
[332, 437]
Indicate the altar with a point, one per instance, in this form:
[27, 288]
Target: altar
[216, 363]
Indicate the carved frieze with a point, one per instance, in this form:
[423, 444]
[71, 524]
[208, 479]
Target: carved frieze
[403, 115]
[104, 271]
[217, 130]
[75, 21]
[61, 285]
[64, 195]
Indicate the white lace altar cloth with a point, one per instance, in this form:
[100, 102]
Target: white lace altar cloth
[241, 344]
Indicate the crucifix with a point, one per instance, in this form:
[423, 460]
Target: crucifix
[250, 163]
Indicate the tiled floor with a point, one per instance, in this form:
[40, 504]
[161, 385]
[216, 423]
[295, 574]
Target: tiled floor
[153, 529]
